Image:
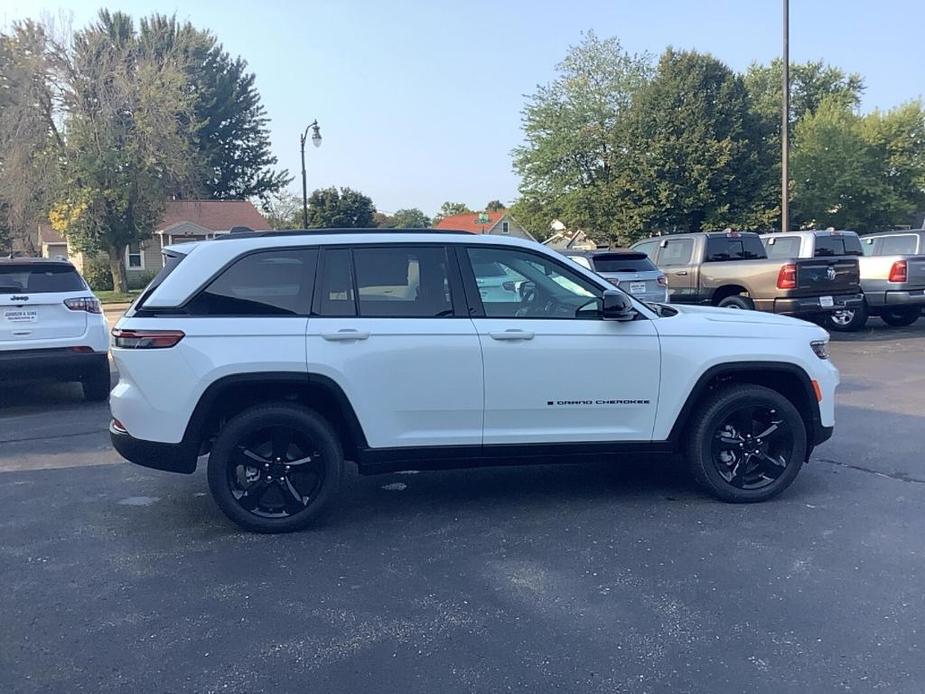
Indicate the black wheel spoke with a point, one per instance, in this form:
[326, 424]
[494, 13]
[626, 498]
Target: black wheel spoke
[292, 498]
[253, 495]
[751, 447]
[251, 457]
[282, 438]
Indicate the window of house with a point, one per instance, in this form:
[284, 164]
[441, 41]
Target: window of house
[269, 283]
[505, 227]
[134, 258]
[403, 282]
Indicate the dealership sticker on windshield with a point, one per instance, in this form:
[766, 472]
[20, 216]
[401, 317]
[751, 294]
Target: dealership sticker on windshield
[826, 301]
[22, 315]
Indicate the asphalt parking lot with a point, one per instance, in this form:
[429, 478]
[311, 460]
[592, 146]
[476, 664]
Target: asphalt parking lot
[600, 577]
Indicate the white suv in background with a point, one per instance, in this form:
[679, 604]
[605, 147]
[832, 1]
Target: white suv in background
[280, 355]
[52, 326]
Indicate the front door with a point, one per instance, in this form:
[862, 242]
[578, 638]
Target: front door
[554, 370]
[390, 327]
[674, 259]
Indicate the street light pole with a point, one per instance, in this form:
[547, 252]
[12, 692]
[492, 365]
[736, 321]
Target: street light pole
[785, 128]
[316, 140]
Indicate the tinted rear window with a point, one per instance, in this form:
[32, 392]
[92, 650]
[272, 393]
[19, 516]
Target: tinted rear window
[721, 248]
[837, 245]
[39, 279]
[623, 262]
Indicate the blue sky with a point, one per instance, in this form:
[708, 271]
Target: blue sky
[419, 102]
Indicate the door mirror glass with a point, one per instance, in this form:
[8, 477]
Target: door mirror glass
[617, 306]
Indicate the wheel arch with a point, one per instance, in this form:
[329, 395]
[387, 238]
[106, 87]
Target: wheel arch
[727, 290]
[232, 394]
[790, 380]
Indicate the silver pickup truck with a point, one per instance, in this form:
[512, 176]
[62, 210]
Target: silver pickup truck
[892, 268]
[731, 269]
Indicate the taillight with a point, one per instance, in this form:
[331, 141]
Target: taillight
[614, 281]
[787, 277]
[84, 303]
[146, 339]
[662, 281]
[899, 272]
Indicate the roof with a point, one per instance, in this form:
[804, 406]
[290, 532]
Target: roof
[214, 215]
[469, 221]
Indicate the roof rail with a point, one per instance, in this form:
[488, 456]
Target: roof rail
[317, 232]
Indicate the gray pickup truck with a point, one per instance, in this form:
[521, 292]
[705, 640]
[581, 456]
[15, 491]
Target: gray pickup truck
[731, 269]
[892, 271]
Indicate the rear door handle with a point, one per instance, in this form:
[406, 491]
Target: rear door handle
[681, 273]
[511, 335]
[346, 334]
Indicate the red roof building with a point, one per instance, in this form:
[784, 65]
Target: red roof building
[499, 222]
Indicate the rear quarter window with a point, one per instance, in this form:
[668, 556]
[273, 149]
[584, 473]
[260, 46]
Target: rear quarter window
[39, 279]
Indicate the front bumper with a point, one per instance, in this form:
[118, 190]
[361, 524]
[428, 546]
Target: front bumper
[171, 457]
[809, 305]
[55, 364]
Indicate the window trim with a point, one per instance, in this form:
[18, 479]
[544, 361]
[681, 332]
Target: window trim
[129, 254]
[477, 308]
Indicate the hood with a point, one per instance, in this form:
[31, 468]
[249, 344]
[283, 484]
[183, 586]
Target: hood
[708, 320]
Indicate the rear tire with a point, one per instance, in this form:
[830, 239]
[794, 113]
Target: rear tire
[96, 385]
[847, 320]
[274, 468]
[901, 317]
[737, 301]
[733, 451]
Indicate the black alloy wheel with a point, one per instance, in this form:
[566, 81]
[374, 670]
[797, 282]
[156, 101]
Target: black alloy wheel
[752, 447]
[273, 468]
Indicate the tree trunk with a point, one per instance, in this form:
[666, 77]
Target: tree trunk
[117, 268]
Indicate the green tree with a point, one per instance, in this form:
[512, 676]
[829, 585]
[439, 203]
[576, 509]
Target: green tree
[283, 210]
[691, 148]
[448, 209]
[535, 216]
[574, 131]
[853, 172]
[232, 133]
[411, 218]
[495, 206]
[128, 115]
[330, 208]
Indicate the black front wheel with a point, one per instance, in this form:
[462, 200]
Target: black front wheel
[901, 317]
[274, 468]
[749, 444]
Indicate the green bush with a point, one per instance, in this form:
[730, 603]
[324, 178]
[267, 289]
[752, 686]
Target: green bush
[96, 272]
[140, 280]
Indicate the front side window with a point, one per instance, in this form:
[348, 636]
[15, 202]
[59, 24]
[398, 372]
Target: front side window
[269, 283]
[676, 252]
[783, 246]
[515, 284]
[650, 248]
[403, 282]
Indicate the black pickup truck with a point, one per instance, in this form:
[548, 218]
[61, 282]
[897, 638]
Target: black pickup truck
[731, 269]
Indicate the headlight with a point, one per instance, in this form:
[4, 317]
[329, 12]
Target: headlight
[821, 348]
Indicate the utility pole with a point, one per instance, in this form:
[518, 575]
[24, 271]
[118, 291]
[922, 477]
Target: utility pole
[785, 128]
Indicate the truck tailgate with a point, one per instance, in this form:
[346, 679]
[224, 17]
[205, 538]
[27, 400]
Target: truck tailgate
[915, 269]
[826, 276]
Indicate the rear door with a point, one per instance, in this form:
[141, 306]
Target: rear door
[389, 325]
[32, 308]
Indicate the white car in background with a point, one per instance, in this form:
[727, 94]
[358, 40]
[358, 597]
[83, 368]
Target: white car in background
[52, 326]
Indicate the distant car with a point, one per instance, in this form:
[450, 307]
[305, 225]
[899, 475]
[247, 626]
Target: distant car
[52, 326]
[892, 271]
[632, 271]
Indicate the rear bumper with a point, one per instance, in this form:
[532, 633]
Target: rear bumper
[808, 305]
[57, 364]
[903, 297]
[171, 457]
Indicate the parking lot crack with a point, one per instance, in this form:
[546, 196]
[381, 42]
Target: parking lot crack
[902, 477]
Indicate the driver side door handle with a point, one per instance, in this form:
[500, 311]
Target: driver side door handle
[512, 334]
[680, 273]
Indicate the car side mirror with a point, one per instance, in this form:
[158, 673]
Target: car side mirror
[617, 306]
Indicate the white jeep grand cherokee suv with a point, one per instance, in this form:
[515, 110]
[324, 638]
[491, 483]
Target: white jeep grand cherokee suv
[280, 355]
[51, 326]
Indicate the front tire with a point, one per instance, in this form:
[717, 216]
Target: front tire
[748, 445]
[274, 468]
[847, 320]
[901, 317]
